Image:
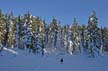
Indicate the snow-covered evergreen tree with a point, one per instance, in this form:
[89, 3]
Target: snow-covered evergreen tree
[83, 38]
[53, 31]
[11, 34]
[6, 43]
[26, 33]
[92, 33]
[18, 32]
[2, 29]
[75, 37]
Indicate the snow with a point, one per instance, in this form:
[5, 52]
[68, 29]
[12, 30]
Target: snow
[10, 50]
[26, 61]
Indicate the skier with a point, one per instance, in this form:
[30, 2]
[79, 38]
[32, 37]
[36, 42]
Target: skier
[61, 60]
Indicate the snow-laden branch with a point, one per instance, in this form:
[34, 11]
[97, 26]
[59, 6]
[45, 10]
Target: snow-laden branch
[10, 50]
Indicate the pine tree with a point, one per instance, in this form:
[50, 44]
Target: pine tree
[53, 31]
[42, 32]
[38, 30]
[75, 30]
[11, 35]
[46, 30]
[104, 39]
[27, 37]
[65, 35]
[2, 28]
[18, 32]
[60, 37]
[92, 33]
[6, 32]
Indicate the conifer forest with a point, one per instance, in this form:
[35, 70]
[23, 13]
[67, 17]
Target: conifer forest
[27, 32]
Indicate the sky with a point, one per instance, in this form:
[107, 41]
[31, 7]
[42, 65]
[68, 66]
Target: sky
[64, 10]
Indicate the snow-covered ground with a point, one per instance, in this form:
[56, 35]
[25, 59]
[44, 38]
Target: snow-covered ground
[26, 61]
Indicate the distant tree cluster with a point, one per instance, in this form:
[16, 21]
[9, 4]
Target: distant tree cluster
[36, 35]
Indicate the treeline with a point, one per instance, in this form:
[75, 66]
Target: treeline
[35, 34]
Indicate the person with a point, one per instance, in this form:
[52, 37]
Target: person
[61, 60]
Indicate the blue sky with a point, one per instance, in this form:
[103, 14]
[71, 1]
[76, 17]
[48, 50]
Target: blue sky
[63, 10]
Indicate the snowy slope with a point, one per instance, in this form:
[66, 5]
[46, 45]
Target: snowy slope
[34, 62]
